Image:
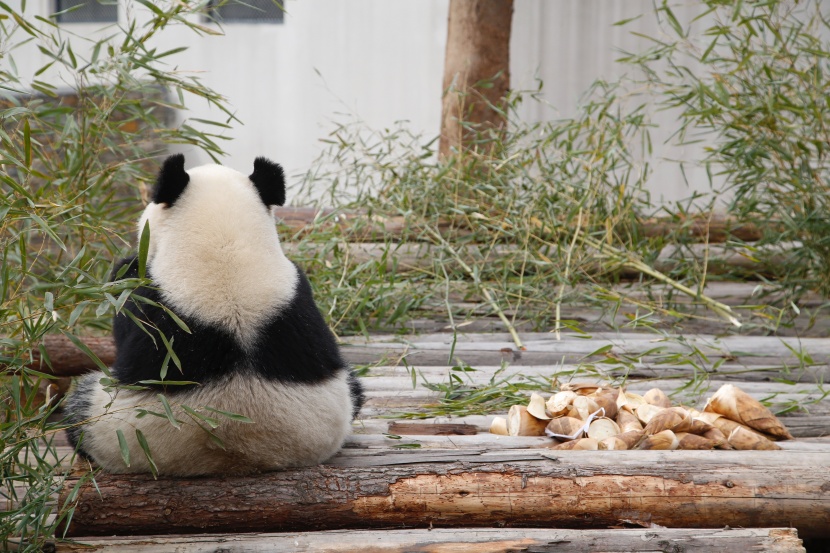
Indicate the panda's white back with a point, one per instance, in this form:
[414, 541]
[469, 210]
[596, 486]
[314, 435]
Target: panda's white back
[255, 344]
[217, 257]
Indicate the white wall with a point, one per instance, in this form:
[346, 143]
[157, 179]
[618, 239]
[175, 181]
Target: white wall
[381, 61]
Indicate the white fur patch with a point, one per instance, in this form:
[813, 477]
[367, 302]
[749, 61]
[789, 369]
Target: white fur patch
[294, 425]
[216, 254]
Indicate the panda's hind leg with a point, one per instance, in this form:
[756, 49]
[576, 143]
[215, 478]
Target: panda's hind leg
[356, 391]
[77, 406]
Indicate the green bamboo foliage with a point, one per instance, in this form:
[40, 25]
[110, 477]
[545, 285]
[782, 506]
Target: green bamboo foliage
[751, 81]
[78, 153]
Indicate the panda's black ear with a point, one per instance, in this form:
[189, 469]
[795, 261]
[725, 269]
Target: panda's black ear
[269, 181]
[171, 181]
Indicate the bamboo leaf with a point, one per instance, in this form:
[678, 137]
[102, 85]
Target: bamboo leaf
[213, 423]
[170, 352]
[125, 449]
[168, 411]
[48, 230]
[168, 382]
[27, 143]
[145, 447]
[89, 353]
[233, 416]
[143, 249]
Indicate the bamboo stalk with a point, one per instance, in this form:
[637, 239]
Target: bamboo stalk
[477, 281]
[627, 259]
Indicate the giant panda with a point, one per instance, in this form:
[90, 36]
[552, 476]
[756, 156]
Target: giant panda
[258, 345]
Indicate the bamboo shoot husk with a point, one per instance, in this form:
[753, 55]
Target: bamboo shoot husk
[657, 397]
[613, 443]
[581, 388]
[693, 441]
[647, 411]
[744, 438]
[629, 401]
[690, 423]
[718, 437]
[560, 403]
[628, 421]
[499, 426]
[603, 428]
[587, 444]
[662, 440]
[725, 425]
[666, 419]
[735, 404]
[536, 407]
[608, 402]
[522, 423]
[582, 407]
[631, 438]
[566, 428]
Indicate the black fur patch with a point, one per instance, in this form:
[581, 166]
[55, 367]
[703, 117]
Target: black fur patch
[296, 345]
[171, 181]
[77, 407]
[356, 391]
[269, 180]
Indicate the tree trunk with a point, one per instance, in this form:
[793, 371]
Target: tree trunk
[476, 70]
[473, 488]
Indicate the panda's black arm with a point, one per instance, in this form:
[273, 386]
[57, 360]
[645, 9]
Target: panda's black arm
[122, 326]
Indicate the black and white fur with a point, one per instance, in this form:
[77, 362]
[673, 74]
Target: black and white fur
[258, 344]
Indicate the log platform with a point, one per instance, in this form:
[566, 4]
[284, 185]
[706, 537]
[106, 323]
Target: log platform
[416, 478]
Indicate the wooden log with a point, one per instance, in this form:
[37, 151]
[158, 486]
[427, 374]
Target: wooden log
[423, 256]
[401, 384]
[727, 372]
[485, 440]
[705, 227]
[471, 540]
[452, 488]
[493, 348]
[492, 442]
[800, 426]
[624, 343]
[364, 439]
[423, 429]
[68, 360]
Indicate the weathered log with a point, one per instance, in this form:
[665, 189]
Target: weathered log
[424, 429]
[491, 349]
[706, 228]
[479, 540]
[422, 256]
[451, 488]
[68, 360]
[485, 440]
[727, 372]
[801, 426]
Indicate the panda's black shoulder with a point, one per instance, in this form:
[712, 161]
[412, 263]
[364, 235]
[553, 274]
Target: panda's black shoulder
[296, 344]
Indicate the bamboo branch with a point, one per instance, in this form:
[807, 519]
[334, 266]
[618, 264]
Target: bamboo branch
[483, 289]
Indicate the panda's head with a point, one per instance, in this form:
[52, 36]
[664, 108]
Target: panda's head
[214, 250]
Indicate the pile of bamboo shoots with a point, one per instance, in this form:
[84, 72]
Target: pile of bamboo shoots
[591, 417]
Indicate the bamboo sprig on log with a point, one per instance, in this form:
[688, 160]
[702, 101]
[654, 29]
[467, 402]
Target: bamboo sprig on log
[632, 261]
